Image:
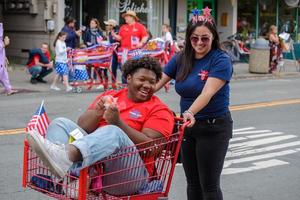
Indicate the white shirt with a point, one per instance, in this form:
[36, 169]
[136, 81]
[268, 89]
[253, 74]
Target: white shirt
[168, 37]
[61, 52]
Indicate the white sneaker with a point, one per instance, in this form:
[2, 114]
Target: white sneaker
[53, 155]
[69, 89]
[100, 87]
[53, 87]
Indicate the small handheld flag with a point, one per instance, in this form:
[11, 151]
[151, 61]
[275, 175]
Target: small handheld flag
[39, 121]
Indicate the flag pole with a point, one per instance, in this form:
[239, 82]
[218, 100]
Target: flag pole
[39, 113]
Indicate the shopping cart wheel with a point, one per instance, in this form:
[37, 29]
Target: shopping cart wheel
[162, 198]
[79, 90]
[74, 89]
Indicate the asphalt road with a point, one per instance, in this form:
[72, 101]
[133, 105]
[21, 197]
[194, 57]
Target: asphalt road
[262, 162]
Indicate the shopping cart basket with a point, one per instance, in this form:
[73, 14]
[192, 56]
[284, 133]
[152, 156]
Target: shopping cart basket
[105, 180]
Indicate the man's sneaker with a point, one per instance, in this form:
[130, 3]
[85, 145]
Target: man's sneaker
[40, 80]
[33, 81]
[53, 87]
[69, 89]
[53, 155]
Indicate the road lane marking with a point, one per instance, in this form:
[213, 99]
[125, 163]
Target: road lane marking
[262, 141]
[264, 104]
[257, 166]
[231, 154]
[232, 108]
[243, 129]
[12, 131]
[261, 150]
[251, 132]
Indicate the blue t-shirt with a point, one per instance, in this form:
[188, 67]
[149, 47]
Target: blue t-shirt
[215, 64]
[71, 40]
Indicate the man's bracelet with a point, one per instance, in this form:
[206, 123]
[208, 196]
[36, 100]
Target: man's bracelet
[190, 112]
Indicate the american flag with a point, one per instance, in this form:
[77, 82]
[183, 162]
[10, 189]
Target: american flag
[39, 121]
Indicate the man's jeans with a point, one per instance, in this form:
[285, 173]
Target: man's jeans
[39, 72]
[95, 146]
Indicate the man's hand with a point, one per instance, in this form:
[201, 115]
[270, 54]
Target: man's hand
[99, 107]
[111, 115]
[50, 65]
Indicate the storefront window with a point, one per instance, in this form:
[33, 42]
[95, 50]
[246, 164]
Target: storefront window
[287, 19]
[246, 18]
[149, 12]
[267, 16]
[94, 9]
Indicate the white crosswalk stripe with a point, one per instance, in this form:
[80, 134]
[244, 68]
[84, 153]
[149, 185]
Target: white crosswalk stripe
[252, 149]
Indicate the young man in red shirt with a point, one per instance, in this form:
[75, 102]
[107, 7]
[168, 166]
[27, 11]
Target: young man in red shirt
[132, 116]
[39, 64]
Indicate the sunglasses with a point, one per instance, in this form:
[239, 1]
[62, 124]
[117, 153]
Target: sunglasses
[196, 39]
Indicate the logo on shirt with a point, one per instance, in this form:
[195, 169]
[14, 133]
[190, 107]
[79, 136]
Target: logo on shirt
[203, 75]
[135, 114]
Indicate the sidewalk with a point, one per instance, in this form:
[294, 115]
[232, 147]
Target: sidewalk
[21, 80]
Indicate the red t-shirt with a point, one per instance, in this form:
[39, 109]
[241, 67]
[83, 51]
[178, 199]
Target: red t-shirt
[132, 35]
[151, 114]
[37, 57]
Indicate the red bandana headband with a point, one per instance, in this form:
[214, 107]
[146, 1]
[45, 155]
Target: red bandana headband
[205, 17]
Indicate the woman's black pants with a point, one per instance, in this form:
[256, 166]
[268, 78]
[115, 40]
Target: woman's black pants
[204, 147]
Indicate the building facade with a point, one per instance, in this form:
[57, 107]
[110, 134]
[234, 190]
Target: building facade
[30, 22]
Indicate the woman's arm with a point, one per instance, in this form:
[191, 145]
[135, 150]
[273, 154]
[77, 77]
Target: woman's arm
[211, 87]
[164, 79]
[116, 36]
[274, 38]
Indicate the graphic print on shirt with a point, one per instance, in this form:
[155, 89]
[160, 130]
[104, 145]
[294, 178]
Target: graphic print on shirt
[134, 41]
[203, 75]
[135, 114]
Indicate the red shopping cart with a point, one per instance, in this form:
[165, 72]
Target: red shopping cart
[105, 180]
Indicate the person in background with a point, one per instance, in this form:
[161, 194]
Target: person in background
[72, 34]
[4, 78]
[92, 37]
[61, 66]
[112, 26]
[80, 72]
[39, 64]
[133, 34]
[166, 34]
[275, 48]
[202, 72]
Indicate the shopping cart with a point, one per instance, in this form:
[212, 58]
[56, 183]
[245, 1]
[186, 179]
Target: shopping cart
[98, 56]
[105, 180]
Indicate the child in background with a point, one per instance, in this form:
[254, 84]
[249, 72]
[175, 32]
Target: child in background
[4, 79]
[61, 59]
[80, 72]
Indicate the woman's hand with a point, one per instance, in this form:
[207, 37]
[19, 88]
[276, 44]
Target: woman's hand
[189, 116]
[6, 41]
[111, 115]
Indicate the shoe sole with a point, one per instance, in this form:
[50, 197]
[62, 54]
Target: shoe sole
[40, 150]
